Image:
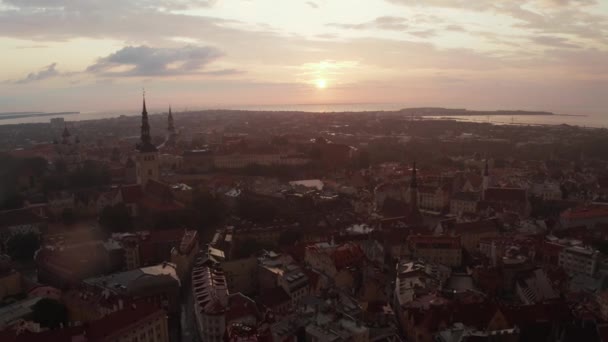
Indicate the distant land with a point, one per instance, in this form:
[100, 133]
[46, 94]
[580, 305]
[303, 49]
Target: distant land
[17, 115]
[431, 111]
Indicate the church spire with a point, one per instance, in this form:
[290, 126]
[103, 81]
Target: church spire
[146, 140]
[145, 126]
[66, 133]
[171, 126]
[414, 181]
[486, 171]
[414, 191]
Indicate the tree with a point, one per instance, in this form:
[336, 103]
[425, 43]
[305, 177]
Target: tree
[67, 216]
[207, 210]
[289, 237]
[22, 246]
[251, 246]
[49, 313]
[256, 210]
[116, 218]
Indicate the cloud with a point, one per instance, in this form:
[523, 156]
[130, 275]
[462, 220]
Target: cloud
[573, 17]
[223, 72]
[455, 28]
[382, 23]
[557, 42]
[148, 61]
[48, 71]
[423, 33]
[312, 4]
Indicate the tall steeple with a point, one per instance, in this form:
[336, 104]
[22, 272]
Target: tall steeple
[485, 183]
[145, 126]
[171, 126]
[145, 144]
[414, 189]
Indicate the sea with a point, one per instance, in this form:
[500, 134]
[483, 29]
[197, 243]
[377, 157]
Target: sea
[594, 120]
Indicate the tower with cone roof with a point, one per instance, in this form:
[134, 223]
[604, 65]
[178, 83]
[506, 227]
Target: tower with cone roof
[171, 133]
[68, 149]
[414, 190]
[147, 159]
[485, 184]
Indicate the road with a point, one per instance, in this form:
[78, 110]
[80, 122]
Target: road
[187, 319]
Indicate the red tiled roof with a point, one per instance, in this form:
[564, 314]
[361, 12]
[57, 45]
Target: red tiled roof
[505, 195]
[123, 319]
[428, 240]
[158, 189]
[273, 298]
[19, 217]
[240, 306]
[69, 334]
[347, 255]
[586, 211]
[131, 193]
[490, 225]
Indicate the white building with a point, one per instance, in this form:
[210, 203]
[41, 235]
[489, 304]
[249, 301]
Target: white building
[210, 293]
[579, 260]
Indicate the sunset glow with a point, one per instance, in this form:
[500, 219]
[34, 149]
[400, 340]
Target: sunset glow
[475, 54]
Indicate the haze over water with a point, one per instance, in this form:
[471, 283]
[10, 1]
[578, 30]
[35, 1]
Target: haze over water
[595, 120]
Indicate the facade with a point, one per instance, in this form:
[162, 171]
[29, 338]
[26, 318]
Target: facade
[446, 250]
[464, 203]
[184, 255]
[579, 260]
[433, 198]
[239, 161]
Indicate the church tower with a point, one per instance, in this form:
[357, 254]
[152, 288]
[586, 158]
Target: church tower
[172, 135]
[414, 190]
[486, 180]
[147, 160]
[68, 150]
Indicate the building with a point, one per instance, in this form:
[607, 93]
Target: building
[210, 293]
[64, 266]
[464, 203]
[458, 332]
[68, 150]
[471, 233]
[446, 250]
[147, 159]
[590, 216]
[534, 287]
[19, 221]
[507, 199]
[158, 284]
[10, 279]
[142, 322]
[184, 255]
[434, 198]
[579, 260]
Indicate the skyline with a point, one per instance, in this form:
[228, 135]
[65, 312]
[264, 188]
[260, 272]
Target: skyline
[90, 56]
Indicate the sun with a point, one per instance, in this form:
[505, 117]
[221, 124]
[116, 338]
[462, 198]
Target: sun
[321, 83]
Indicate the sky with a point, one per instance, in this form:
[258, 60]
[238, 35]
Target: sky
[86, 55]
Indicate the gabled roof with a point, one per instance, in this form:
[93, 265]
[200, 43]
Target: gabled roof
[482, 226]
[505, 195]
[117, 321]
[18, 217]
[131, 193]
